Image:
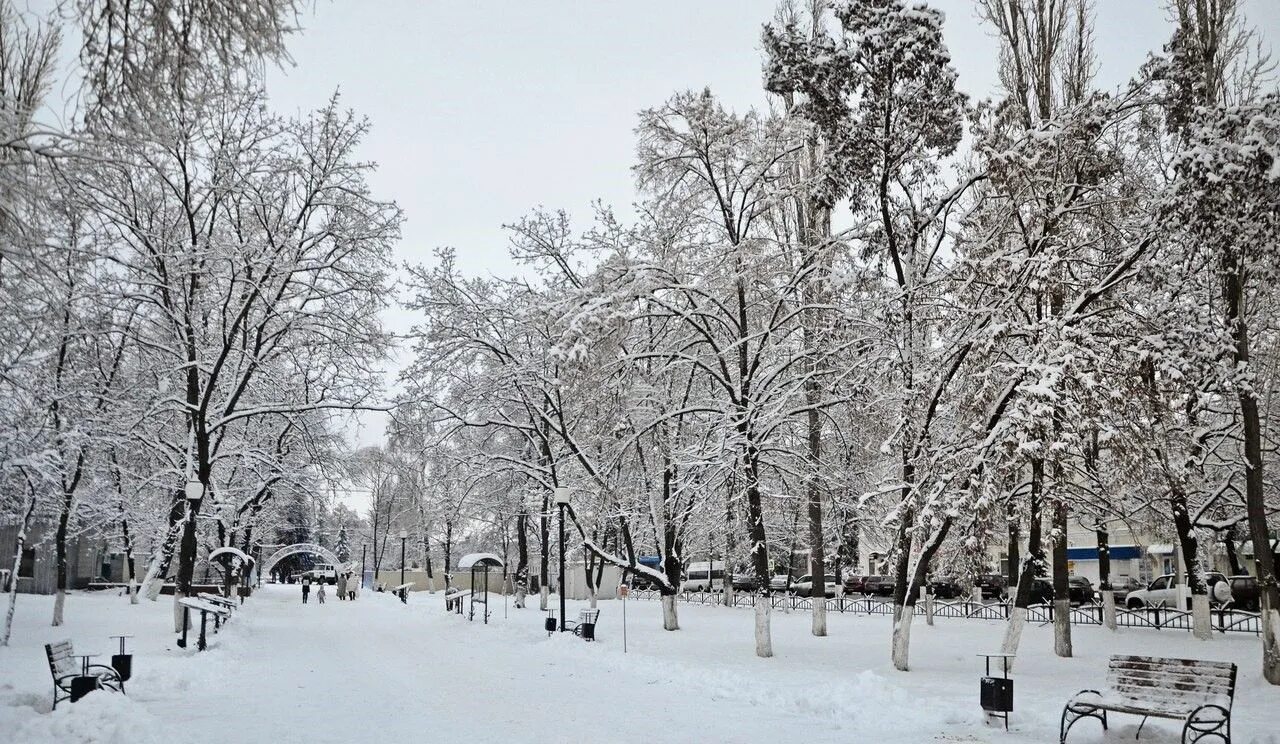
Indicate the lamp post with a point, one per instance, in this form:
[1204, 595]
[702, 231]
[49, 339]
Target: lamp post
[404, 593]
[363, 550]
[562, 500]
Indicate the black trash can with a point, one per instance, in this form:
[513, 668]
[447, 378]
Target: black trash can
[123, 664]
[81, 686]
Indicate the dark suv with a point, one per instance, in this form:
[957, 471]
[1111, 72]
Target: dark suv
[1244, 593]
[1080, 590]
[945, 588]
[992, 585]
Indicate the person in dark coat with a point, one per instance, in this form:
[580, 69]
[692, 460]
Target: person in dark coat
[306, 588]
[342, 586]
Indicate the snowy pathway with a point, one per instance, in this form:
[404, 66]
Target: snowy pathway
[377, 670]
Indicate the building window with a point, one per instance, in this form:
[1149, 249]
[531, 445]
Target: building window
[27, 566]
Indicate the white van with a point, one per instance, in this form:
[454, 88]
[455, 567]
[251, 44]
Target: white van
[704, 576]
[323, 572]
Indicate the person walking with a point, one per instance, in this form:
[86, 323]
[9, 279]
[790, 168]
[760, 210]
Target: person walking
[306, 588]
[353, 587]
[342, 586]
[320, 592]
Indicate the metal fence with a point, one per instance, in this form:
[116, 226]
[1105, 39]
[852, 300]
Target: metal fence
[1223, 620]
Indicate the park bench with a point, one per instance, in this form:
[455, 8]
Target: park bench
[73, 680]
[230, 604]
[1198, 693]
[205, 608]
[585, 628]
[453, 600]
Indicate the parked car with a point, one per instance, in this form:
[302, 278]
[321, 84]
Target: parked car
[779, 582]
[1041, 591]
[992, 585]
[745, 582]
[945, 588]
[854, 584]
[1163, 592]
[1244, 593]
[804, 586]
[640, 581]
[880, 586]
[1121, 587]
[1080, 590]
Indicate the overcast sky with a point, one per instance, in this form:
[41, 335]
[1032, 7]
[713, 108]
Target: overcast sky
[482, 110]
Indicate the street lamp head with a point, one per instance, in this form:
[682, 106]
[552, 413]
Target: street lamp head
[195, 490]
[562, 496]
[404, 534]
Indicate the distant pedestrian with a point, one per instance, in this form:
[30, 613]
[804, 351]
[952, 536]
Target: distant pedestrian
[353, 587]
[342, 586]
[320, 592]
[306, 588]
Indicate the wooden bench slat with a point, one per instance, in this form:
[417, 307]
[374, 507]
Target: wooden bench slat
[1189, 686]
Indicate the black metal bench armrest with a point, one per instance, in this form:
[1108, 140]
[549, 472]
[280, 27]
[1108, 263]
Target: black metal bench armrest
[1226, 712]
[107, 671]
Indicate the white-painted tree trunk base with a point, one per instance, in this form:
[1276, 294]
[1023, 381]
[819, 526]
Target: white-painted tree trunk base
[1062, 628]
[1013, 632]
[764, 633]
[1271, 644]
[543, 594]
[8, 613]
[819, 616]
[177, 613]
[928, 608]
[670, 620]
[1201, 620]
[1109, 609]
[903, 617]
[59, 601]
[520, 595]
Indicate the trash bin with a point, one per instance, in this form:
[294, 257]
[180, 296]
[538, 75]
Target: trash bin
[550, 622]
[996, 693]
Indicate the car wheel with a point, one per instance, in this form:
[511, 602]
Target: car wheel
[1133, 604]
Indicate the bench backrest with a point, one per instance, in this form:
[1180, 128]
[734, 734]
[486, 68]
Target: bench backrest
[61, 658]
[1183, 682]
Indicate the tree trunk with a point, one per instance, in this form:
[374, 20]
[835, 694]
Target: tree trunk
[670, 621]
[17, 563]
[1104, 577]
[544, 542]
[158, 568]
[1030, 568]
[1061, 583]
[1014, 562]
[448, 555]
[1233, 557]
[1255, 497]
[60, 551]
[1202, 627]
[522, 559]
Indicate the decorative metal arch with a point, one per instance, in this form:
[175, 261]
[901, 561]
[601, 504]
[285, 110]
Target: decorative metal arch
[296, 548]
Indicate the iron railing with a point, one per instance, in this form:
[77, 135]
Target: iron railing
[1222, 619]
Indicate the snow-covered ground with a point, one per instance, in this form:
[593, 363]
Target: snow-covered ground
[377, 670]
